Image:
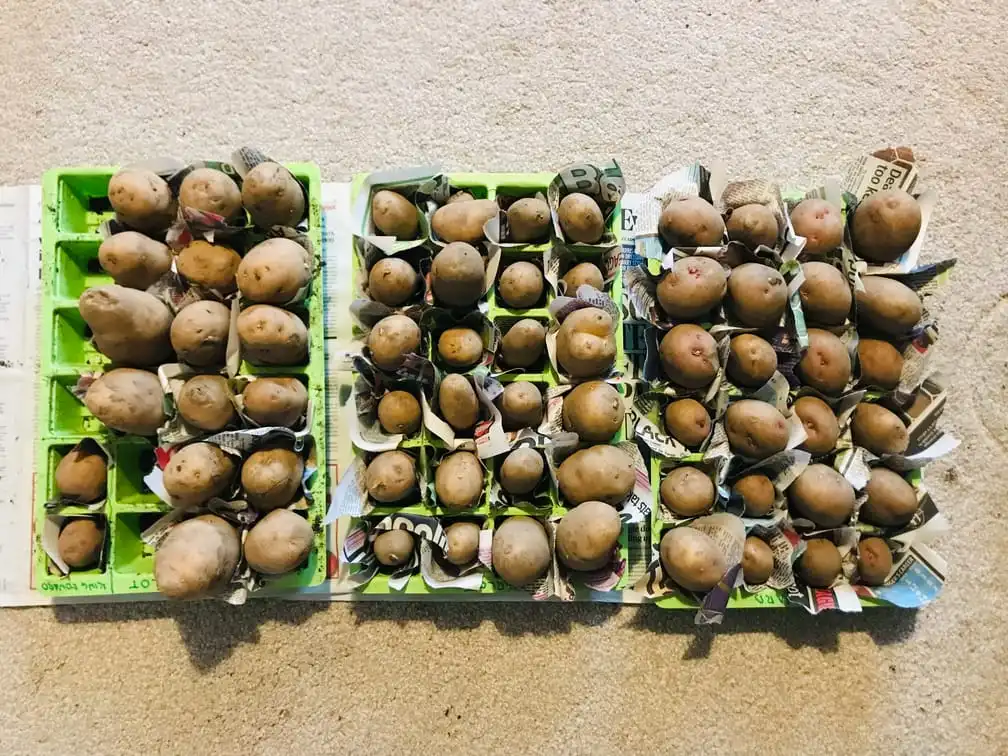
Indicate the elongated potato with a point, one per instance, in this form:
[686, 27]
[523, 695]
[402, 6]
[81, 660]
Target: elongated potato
[142, 200]
[81, 475]
[80, 542]
[394, 215]
[198, 557]
[134, 260]
[463, 221]
[130, 327]
[199, 333]
[888, 305]
[692, 559]
[272, 336]
[272, 196]
[196, 473]
[212, 266]
[274, 271]
[128, 400]
[275, 401]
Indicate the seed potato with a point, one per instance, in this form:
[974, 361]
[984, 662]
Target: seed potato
[392, 281]
[127, 400]
[529, 220]
[393, 548]
[691, 222]
[687, 421]
[820, 565]
[581, 218]
[458, 274]
[521, 471]
[885, 225]
[463, 543]
[594, 410]
[458, 402]
[463, 221]
[583, 274]
[758, 295]
[757, 561]
[399, 412]
[822, 495]
[689, 356]
[212, 266]
[460, 347]
[598, 473]
[523, 344]
[460, 196]
[826, 364]
[880, 363]
[392, 339]
[755, 429]
[272, 477]
[458, 480]
[687, 492]
[274, 271]
[197, 558]
[878, 430]
[275, 401]
[134, 260]
[278, 543]
[272, 336]
[521, 551]
[521, 285]
[892, 502]
[199, 333]
[820, 223]
[692, 288]
[205, 402]
[875, 561]
[82, 474]
[692, 559]
[130, 327]
[753, 225]
[757, 492]
[80, 542]
[272, 196]
[142, 200]
[586, 344]
[822, 429]
[888, 306]
[394, 215]
[197, 473]
[587, 536]
[521, 406]
[752, 361]
[825, 296]
[390, 477]
[211, 191]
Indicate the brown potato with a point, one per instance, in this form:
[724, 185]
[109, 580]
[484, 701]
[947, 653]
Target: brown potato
[130, 327]
[399, 412]
[463, 221]
[751, 360]
[878, 430]
[275, 401]
[586, 343]
[820, 223]
[394, 215]
[892, 502]
[692, 559]
[391, 477]
[529, 220]
[691, 222]
[693, 287]
[874, 562]
[521, 471]
[687, 492]
[142, 200]
[581, 218]
[82, 474]
[583, 274]
[820, 565]
[757, 492]
[757, 561]
[689, 356]
[460, 347]
[825, 295]
[587, 536]
[457, 274]
[127, 400]
[458, 480]
[134, 260]
[460, 196]
[199, 333]
[594, 410]
[521, 551]
[599, 473]
[270, 335]
[753, 225]
[197, 473]
[521, 285]
[205, 402]
[272, 196]
[826, 364]
[758, 295]
[458, 402]
[521, 406]
[523, 344]
[80, 542]
[274, 271]
[197, 557]
[278, 543]
[463, 543]
[821, 426]
[688, 422]
[755, 429]
[822, 495]
[392, 339]
[393, 548]
[888, 306]
[880, 363]
[212, 266]
[272, 478]
[392, 281]
[885, 225]
[211, 191]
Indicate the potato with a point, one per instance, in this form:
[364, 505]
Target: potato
[757, 561]
[880, 362]
[891, 503]
[393, 548]
[757, 492]
[689, 356]
[822, 495]
[390, 477]
[587, 536]
[878, 430]
[691, 222]
[888, 306]
[80, 542]
[692, 559]
[272, 196]
[753, 225]
[594, 410]
[820, 223]
[197, 557]
[394, 215]
[521, 551]
[458, 403]
[529, 220]
[460, 196]
[825, 295]
[687, 421]
[885, 225]
[752, 361]
[457, 274]
[520, 285]
[463, 221]
[197, 473]
[583, 274]
[460, 347]
[211, 191]
[399, 412]
[521, 471]
[274, 271]
[392, 281]
[212, 266]
[272, 477]
[581, 218]
[821, 427]
[687, 492]
[586, 343]
[826, 364]
[458, 480]
[275, 401]
[82, 474]
[694, 287]
[272, 336]
[199, 333]
[392, 339]
[205, 402]
[521, 406]
[134, 260]
[280, 542]
[757, 294]
[523, 344]
[874, 562]
[127, 400]
[755, 429]
[142, 200]
[598, 473]
[129, 326]
[463, 543]
[819, 566]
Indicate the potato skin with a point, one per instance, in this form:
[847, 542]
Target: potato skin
[529, 219]
[587, 536]
[822, 429]
[458, 402]
[199, 333]
[391, 477]
[880, 362]
[272, 336]
[458, 480]
[80, 543]
[272, 477]
[134, 260]
[458, 274]
[142, 200]
[275, 401]
[212, 266]
[523, 344]
[757, 561]
[689, 356]
[197, 557]
[757, 492]
[892, 502]
[460, 347]
[521, 551]
[820, 223]
[521, 471]
[82, 475]
[752, 361]
[463, 221]
[399, 412]
[693, 287]
[758, 295]
[196, 473]
[594, 410]
[875, 561]
[393, 548]
[692, 559]
[691, 222]
[888, 306]
[582, 274]
[392, 281]
[688, 422]
[755, 429]
[521, 406]
[826, 364]
[463, 543]
[392, 339]
[753, 225]
[878, 430]
[885, 225]
[825, 296]
[127, 400]
[822, 495]
[211, 191]
[581, 218]
[272, 196]
[520, 285]
[687, 492]
[586, 344]
[598, 473]
[205, 402]
[130, 327]
[820, 564]
[394, 215]
[274, 271]
[278, 543]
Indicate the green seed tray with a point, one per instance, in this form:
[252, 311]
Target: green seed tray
[74, 204]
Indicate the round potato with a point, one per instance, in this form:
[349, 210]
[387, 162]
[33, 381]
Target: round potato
[80, 542]
[391, 477]
[521, 551]
[278, 543]
[874, 562]
[274, 271]
[197, 557]
[458, 275]
[142, 200]
[885, 225]
[687, 421]
[598, 473]
[392, 281]
[586, 343]
[891, 502]
[521, 406]
[758, 295]
[127, 400]
[687, 492]
[594, 410]
[825, 296]
[197, 473]
[394, 215]
[878, 430]
[199, 333]
[757, 561]
[458, 480]
[130, 327]
[460, 347]
[755, 429]
[134, 260]
[463, 221]
[757, 492]
[272, 196]
[458, 402]
[392, 339]
[691, 222]
[523, 344]
[521, 285]
[753, 225]
[689, 356]
[529, 220]
[521, 471]
[820, 565]
[393, 548]
[880, 363]
[212, 266]
[888, 306]
[460, 196]
[272, 477]
[272, 336]
[583, 274]
[211, 191]
[587, 536]
[463, 543]
[752, 361]
[820, 223]
[581, 218]
[692, 559]
[205, 402]
[822, 495]
[275, 401]
[821, 426]
[81, 474]
[399, 412]
[826, 364]
[694, 287]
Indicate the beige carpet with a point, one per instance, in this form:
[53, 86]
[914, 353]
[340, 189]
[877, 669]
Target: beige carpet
[784, 89]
